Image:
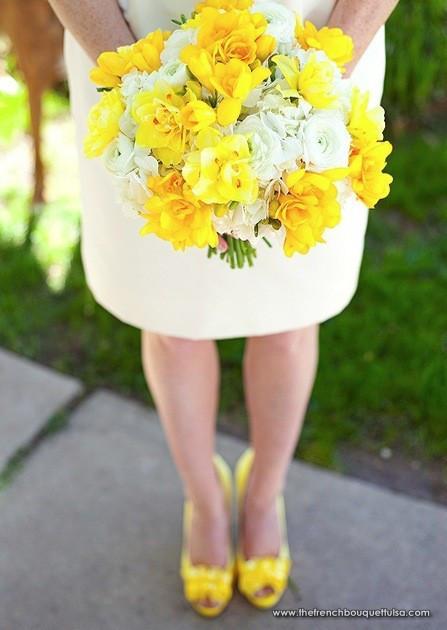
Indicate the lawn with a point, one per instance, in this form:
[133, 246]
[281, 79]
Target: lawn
[382, 379]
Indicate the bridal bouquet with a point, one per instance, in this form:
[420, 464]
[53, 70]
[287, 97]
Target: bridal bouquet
[235, 127]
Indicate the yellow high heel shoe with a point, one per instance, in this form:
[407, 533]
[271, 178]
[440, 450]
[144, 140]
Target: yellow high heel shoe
[207, 582]
[263, 572]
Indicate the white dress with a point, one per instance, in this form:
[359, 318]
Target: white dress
[145, 283]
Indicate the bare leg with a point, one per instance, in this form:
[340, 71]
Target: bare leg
[183, 377]
[279, 372]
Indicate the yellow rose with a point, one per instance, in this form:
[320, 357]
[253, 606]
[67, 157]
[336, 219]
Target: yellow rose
[174, 214]
[367, 179]
[338, 46]
[365, 125]
[315, 82]
[307, 209]
[219, 171]
[103, 123]
[231, 35]
[159, 123]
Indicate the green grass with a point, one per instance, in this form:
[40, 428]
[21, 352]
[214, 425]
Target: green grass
[382, 378]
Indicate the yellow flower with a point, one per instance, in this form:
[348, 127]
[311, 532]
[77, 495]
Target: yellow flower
[337, 45]
[144, 55]
[231, 35]
[200, 64]
[174, 214]
[226, 5]
[365, 125]
[367, 179]
[197, 115]
[235, 80]
[103, 123]
[146, 52]
[159, 123]
[111, 66]
[308, 208]
[265, 45]
[219, 171]
[315, 82]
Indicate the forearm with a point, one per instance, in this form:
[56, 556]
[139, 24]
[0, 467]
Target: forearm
[97, 26]
[361, 19]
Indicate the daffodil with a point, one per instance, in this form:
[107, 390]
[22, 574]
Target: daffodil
[174, 214]
[338, 46]
[103, 123]
[219, 171]
[314, 82]
[160, 126]
[365, 125]
[366, 171]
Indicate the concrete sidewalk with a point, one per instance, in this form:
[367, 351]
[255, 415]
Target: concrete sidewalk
[90, 536]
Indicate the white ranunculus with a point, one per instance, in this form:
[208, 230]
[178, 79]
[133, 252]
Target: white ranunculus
[326, 141]
[119, 155]
[281, 21]
[174, 45]
[265, 146]
[174, 73]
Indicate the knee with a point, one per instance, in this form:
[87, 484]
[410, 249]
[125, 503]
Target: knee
[175, 347]
[286, 343]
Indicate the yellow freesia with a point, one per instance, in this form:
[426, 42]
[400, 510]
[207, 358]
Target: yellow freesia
[338, 46]
[315, 82]
[159, 123]
[219, 171]
[366, 171]
[308, 208]
[174, 214]
[103, 123]
[144, 55]
[365, 125]
[234, 81]
[200, 64]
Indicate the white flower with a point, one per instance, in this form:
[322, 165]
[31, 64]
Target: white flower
[326, 141]
[131, 167]
[119, 155]
[265, 146]
[281, 21]
[134, 82]
[174, 73]
[240, 222]
[132, 192]
[176, 42]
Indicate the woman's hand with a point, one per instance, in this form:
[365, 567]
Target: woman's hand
[361, 19]
[97, 26]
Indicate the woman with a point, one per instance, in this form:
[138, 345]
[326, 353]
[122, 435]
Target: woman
[182, 302]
